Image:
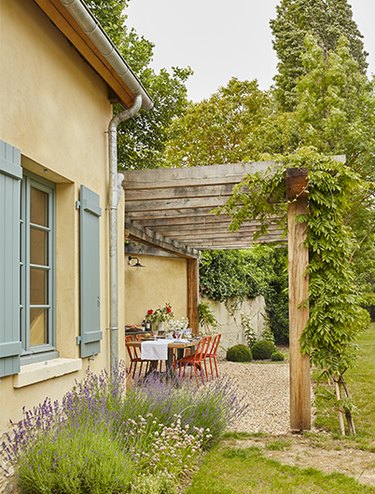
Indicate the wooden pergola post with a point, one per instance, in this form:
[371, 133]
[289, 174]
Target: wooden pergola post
[298, 259]
[193, 293]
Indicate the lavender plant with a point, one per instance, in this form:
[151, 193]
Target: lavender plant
[37, 421]
[75, 461]
[155, 433]
[213, 406]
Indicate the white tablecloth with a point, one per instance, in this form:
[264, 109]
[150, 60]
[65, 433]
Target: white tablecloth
[154, 350]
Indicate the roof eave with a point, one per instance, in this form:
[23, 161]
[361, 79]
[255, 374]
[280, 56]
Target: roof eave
[79, 26]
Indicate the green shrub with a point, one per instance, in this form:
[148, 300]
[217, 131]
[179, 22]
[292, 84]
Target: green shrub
[207, 320]
[239, 353]
[263, 349]
[277, 357]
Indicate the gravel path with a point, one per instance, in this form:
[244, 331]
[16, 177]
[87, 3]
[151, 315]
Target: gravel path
[265, 389]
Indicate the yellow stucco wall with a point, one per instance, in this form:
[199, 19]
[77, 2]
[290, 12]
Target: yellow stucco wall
[162, 280]
[55, 109]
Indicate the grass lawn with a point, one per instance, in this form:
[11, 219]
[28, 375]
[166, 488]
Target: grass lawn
[246, 471]
[230, 469]
[361, 383]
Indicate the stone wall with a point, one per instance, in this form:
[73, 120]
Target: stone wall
[230, 315]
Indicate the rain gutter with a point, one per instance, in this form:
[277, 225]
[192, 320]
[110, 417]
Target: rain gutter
[96, 34]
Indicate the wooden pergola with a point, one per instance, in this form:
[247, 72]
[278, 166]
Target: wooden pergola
[171, 210]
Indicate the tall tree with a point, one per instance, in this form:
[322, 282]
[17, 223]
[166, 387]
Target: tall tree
[335, 113]
[219, 129]
[326, 20]
[335, 106]
[141, 141]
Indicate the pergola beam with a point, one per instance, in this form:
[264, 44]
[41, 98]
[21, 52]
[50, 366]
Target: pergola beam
[149, 237]
[191, 176]
[198, 233]
[236, 244]
[203, 220]
[179, 192]
[178, 204]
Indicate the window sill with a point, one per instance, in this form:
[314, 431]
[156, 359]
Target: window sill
[43, 371]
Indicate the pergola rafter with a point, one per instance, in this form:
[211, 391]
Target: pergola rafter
[177, 204]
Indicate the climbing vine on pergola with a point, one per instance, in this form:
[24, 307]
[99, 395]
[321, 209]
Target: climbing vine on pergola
[317, 192]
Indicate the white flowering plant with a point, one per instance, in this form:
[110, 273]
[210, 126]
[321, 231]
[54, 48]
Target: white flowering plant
[171, 451]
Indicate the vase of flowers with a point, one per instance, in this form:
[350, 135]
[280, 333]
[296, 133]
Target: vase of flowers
[159, 316]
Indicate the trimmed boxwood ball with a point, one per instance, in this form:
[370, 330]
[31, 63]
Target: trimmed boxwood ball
[263, 349]
[239, 353]
[277, 357]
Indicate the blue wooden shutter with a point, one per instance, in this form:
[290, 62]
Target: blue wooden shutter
[10, 190]
[89, 273]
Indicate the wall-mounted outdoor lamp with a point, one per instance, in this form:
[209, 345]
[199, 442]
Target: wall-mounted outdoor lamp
[134, 262]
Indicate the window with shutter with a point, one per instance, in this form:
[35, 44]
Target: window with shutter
[90, 213]
[10, 181]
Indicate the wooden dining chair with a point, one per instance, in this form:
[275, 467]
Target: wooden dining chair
[197, 361]
[134, 356]
[212, 354]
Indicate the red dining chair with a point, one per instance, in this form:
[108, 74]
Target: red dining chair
[134, 356]
[197, 361]
[212, 354]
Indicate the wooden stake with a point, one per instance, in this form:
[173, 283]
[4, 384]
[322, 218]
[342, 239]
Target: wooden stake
[348, 414]
[341, 414]
[298, 258]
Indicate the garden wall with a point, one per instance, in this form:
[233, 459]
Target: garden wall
[231, 317]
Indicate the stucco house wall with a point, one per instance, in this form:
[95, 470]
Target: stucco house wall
[55, 109]
[162, 280]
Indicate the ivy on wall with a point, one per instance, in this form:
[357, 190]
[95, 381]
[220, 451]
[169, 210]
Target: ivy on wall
[241, 274]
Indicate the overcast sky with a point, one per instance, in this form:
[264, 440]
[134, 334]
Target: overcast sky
[220, 39]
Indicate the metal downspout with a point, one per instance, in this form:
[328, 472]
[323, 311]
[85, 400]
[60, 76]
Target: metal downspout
[115, 180]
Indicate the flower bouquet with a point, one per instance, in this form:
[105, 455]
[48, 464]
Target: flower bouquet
[160, 315]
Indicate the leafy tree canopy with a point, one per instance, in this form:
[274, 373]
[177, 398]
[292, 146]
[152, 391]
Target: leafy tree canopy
[220, 129]
[326, 21]
[335, 108]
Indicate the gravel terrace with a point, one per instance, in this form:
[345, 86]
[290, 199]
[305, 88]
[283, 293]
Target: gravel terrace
[265, 389]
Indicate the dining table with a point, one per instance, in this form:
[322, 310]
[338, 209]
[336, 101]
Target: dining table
[173, 344]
